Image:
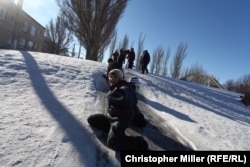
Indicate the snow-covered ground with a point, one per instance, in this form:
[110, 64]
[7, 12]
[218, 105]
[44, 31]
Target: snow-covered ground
[45, 100]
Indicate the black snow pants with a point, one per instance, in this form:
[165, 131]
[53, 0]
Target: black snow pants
[117, 139]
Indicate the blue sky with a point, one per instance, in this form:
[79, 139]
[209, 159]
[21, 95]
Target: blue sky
[217, 31]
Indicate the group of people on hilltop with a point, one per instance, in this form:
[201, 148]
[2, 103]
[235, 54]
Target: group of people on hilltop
[118, 59]
[122, 111]
[121, 57]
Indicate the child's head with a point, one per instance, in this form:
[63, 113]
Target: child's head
[114, 76]
[110, 60]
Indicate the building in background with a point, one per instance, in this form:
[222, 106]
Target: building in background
[18, 30]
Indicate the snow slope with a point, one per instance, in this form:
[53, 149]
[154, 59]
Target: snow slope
[45, 100]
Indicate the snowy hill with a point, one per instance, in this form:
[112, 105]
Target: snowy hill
[45, 100]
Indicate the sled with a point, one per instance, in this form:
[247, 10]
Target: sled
[134, 80]
[105, 77]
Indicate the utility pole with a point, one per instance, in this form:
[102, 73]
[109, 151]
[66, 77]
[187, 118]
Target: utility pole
[79, 53]
[73, 51]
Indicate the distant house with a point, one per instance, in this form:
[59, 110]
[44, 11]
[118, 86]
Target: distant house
[18, 30]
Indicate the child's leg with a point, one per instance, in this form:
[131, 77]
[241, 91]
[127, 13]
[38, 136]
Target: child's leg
[99, 121]
[116, 135]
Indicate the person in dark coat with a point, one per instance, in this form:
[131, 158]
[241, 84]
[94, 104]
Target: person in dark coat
[145, 59]
[115, 55]
[112, 65]
[131, 58]
[120, 114]
[121, 58]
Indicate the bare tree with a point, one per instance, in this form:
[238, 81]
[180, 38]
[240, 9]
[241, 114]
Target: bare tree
[113, 44]
[160, 55]
[92, 21]
[57, 37]
[244, 84]
[132, 44]
[179, 57]
[230, 85]
[139, 50]
[165, 63]
[246, 80]
[124, 43]
[196, 69]
[156, 63]
[153, 62]
[198, 73]
[241, 85]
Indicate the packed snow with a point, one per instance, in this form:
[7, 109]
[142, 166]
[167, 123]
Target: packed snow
[46, 99]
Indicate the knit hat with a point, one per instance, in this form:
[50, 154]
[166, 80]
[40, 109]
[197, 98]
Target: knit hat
[110, 60]
[117, 72]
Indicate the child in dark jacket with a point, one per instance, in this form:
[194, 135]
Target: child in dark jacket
[112, 65]
[121, 111]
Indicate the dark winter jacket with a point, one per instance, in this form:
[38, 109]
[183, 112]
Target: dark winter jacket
[113, 65]
[115, 56]
[121, 102]
[121, 58]
[131, 56]
[145, 58]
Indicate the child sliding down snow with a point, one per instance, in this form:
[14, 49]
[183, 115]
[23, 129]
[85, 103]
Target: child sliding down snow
[121, 113]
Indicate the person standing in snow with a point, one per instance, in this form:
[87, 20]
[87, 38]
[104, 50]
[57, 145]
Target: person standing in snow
[121, 113]
[131, 58]
[115, 56]
[121, 58]
[145, 59]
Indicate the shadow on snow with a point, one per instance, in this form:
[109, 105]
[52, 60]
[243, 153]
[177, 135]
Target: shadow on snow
[77, 134]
